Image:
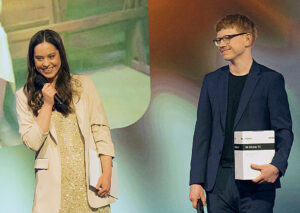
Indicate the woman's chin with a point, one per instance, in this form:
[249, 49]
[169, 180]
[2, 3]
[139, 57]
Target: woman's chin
[50, 76]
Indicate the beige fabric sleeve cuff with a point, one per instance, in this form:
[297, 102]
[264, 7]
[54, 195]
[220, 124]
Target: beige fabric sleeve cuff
[34, 137]
[103, 140]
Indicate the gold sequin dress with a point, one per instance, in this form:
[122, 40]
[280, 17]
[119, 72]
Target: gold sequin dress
[73, 182]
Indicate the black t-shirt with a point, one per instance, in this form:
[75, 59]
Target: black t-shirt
[235, 88]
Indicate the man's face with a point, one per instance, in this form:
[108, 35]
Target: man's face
[234, 47]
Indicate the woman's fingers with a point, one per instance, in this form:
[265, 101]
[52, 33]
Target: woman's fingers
[48, 92]
[99, 183]
[103, 188]
[103, 192]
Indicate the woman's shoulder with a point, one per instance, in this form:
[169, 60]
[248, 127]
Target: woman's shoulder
[21, 98]
[83, 84]
[84, 79]
[20, 93]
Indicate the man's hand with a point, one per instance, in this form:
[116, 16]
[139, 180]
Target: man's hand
[269, 173]
[196, 193]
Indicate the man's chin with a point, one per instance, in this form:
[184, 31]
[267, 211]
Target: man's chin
[227, 58]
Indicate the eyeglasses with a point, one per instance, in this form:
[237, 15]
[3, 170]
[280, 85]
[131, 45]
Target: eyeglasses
[226, 39]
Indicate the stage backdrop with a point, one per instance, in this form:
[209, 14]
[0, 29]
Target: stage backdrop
[153, 153]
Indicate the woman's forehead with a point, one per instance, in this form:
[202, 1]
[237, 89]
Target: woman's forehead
[44, 48]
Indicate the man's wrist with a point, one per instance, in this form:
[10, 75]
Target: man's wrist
[201, 184]
[278, 170]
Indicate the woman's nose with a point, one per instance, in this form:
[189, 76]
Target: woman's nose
[46, 63]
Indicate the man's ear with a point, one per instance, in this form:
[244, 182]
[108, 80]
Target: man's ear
[249, 40]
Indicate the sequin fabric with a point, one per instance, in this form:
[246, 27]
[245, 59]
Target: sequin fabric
[73, 182]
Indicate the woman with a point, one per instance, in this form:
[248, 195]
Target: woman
[62, 138]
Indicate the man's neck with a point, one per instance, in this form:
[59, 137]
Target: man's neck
[241, 65]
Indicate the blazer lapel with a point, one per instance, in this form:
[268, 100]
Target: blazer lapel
[223, 92]
[53, 132]
[79, 109]
[249, 87]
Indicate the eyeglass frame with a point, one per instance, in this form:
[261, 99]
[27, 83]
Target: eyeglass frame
[226, 38]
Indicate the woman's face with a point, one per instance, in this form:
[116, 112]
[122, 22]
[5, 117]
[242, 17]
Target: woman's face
[47, 60]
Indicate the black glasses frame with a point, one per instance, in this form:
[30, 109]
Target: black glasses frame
[226, 38]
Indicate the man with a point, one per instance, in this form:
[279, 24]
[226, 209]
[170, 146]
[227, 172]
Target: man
[243, 96]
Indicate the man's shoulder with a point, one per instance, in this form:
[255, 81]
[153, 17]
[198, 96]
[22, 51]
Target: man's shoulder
[217, 73]
[269, 72]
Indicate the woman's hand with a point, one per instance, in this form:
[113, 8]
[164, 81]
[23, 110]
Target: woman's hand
[105, 180]
[104, 185]
[44, 117]
[48, 92]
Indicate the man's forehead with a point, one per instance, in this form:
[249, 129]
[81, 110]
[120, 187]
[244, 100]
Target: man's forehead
[227, 31]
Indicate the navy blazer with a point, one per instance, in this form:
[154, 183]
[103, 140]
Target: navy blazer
[263, 106]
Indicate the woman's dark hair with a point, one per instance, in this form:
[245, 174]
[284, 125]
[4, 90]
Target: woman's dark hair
[63, 83]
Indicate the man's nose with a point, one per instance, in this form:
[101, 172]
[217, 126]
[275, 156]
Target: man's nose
[222, 43]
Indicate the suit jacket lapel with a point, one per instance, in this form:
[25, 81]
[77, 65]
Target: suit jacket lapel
[249, 87]
[223, 93]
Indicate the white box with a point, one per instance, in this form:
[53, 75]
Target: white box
[255, 147]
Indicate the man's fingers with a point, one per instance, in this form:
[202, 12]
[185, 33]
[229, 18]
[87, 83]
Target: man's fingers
[203, 200]
[258, 179]
[255, 166]
[194, 203]
[261, 181]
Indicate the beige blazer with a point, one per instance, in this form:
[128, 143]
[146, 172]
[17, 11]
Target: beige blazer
[94, 128]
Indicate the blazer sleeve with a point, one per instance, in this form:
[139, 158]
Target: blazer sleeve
[201, 138]
[281, 122]
[31, 134]
[99, 124]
